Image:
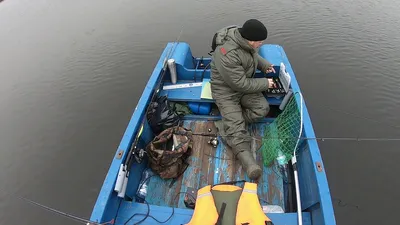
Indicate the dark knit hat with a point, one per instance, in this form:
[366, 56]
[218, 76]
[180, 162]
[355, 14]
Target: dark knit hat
[253, 30]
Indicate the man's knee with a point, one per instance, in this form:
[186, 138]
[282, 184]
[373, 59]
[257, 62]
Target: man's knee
[261, 110]
[264, 108]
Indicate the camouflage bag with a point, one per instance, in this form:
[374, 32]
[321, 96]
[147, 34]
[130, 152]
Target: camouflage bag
[170, 162]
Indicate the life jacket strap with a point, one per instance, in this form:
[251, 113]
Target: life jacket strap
[221, 214]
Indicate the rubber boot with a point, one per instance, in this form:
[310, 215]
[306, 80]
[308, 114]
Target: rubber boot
[249, 164]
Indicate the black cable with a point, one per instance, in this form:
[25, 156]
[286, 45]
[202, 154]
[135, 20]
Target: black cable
[216, 157]
[147, 215]
[138, 214]
[205, 68]
[119, 206]
[194, 62]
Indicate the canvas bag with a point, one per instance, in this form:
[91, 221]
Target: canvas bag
[165, 162]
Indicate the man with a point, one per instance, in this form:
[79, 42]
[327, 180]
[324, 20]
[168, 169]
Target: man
[237, 94]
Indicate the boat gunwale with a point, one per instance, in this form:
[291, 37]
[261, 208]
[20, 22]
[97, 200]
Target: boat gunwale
[131, 130]
[321, 179]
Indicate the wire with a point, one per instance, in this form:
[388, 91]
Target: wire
[216, 157]
[147, 214]
[341, 203]
[139, 214]
[205, 68]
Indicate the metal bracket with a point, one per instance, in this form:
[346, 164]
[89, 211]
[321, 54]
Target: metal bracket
[139, 154]
[214, 142]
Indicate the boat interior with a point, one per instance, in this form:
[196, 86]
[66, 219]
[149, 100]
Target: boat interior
[209, 164]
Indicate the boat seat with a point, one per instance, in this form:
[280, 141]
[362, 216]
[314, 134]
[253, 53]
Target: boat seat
[193, 94]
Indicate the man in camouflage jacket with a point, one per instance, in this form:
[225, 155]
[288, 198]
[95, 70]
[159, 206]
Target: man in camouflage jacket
[237, 94]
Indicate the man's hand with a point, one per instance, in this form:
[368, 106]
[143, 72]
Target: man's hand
[270, 69]
[271, 83]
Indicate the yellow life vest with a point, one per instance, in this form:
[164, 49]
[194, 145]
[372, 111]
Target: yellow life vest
[249, 210]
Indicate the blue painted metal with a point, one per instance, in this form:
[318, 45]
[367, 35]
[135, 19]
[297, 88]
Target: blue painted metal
[275, 54]
[107, 202]
[315, 195]
[193, 94]
[182, 216]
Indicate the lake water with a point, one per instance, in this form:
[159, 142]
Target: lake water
[72, 72]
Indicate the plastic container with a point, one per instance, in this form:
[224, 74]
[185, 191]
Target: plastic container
[272, 209]
[142, 191]
[201, 108]
[282, 166]
[286, 99]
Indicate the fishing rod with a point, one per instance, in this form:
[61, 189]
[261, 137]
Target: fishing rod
[301, 138]
[67, 215]
[123, 174]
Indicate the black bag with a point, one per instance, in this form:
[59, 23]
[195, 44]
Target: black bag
[161, 116]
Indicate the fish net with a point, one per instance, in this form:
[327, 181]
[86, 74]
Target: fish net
[282, 134]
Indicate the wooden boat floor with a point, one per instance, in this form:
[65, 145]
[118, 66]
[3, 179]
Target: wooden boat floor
[209, 165]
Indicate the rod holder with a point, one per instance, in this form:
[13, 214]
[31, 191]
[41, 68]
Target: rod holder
[172, 70]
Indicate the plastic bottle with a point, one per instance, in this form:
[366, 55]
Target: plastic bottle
[281, 158]
[282, 165]
[142, 191]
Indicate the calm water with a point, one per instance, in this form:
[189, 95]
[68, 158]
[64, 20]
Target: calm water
[72, 72]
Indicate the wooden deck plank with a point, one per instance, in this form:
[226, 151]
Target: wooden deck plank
[209, 165]
[270, 186]
[191, 176]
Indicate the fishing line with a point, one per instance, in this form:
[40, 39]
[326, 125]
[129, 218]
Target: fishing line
[123, 174]
[358, 116]
[70, 216]
[302, 138]
[341, 203]
[216, 157]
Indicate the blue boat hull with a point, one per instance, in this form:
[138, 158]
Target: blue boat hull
[315, 196]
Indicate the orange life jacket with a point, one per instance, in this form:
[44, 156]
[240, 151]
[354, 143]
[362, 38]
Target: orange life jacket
[249, 210]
